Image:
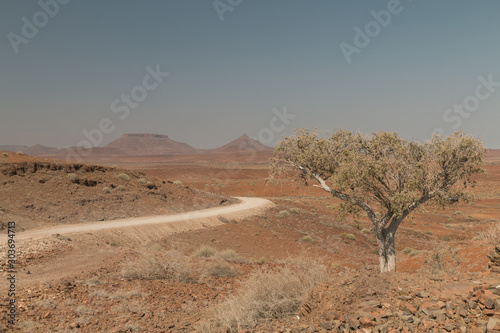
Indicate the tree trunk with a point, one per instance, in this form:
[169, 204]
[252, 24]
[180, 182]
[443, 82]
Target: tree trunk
[386, 251]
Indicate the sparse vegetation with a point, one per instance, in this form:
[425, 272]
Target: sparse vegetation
[5, 155]
[20, 153]
[171, 266]
[491, 235]
[120, 188]
[407, 250]
[366, 231]
[205, 252]
[124, 176]
[178, 182]
[231, 256]
[106, 190]
[222, 269]
[283, 213]
[308, 239]
[414, 253]
[294, 211]
[142, 181]
[73, 177]
[266, 295]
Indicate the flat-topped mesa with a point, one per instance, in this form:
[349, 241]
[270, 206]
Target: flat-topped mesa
[150, 144]
[145, 135]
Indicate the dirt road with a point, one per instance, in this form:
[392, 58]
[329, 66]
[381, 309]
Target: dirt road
[247, 206]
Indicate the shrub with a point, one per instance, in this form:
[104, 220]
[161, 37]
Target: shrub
[231, 256]
[20, 153]
[365, 231]
[124, 176]
[106, 190]
[171, 266]
[222, 269]
[142, 181]
[492, 235]
[121, 188]
[414, 253]
[5, 155]
[283, 213]
[350, 236]
[72, 177]
[205, 252]
[294, 211]
[267, 296]
[178, 182]
[308, 239]
[407, 250]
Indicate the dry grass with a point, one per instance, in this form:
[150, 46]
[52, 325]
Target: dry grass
[171, 266]
[124, 176]
[492, 235]
[222, 269]
[205, 252]
[266, 295]
[232, 256]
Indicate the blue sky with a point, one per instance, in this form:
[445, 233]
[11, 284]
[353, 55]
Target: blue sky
[225, 77]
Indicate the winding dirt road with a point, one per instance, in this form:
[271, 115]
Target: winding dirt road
[248, 206]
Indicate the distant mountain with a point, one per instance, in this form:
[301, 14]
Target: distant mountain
[241, 145]
[150, 144]
[14, 148]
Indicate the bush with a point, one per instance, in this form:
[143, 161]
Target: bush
[106, 190]
[365, 231]
[222, 269]
[121, 188]
[348, 236]
[308, 239]
[72, 177]
[5, 155]
[266, 296]
[231, 256]
[142, 181]
[492, 235]
[283, 213]
[205, 252]
[178, 182]
[294, 211]
[414, 253]
[20, 153]
[407, 250]
[171, 266]
[124, 176]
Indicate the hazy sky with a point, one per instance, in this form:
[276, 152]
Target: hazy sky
[408, 66]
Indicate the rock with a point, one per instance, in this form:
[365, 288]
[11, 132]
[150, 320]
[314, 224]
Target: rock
[449, 327]
[366, 322]
[493, 324]
[423, 294]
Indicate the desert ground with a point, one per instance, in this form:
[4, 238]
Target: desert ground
[289, 266]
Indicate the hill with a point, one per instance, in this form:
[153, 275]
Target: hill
[243, 144]
[38, 192]
[150, 144]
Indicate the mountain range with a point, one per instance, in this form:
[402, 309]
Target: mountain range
[144, 144]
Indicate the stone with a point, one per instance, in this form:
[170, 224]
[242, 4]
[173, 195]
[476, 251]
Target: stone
[493, 324]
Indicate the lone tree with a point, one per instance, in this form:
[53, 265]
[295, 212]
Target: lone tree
[383, 174]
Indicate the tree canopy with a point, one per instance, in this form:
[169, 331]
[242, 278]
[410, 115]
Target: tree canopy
[382, 174]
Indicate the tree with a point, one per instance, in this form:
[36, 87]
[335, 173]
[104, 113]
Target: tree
[382, 174]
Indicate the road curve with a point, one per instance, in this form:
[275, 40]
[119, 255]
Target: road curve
[246, 204]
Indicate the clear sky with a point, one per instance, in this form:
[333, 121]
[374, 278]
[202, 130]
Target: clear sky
[429, 66]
